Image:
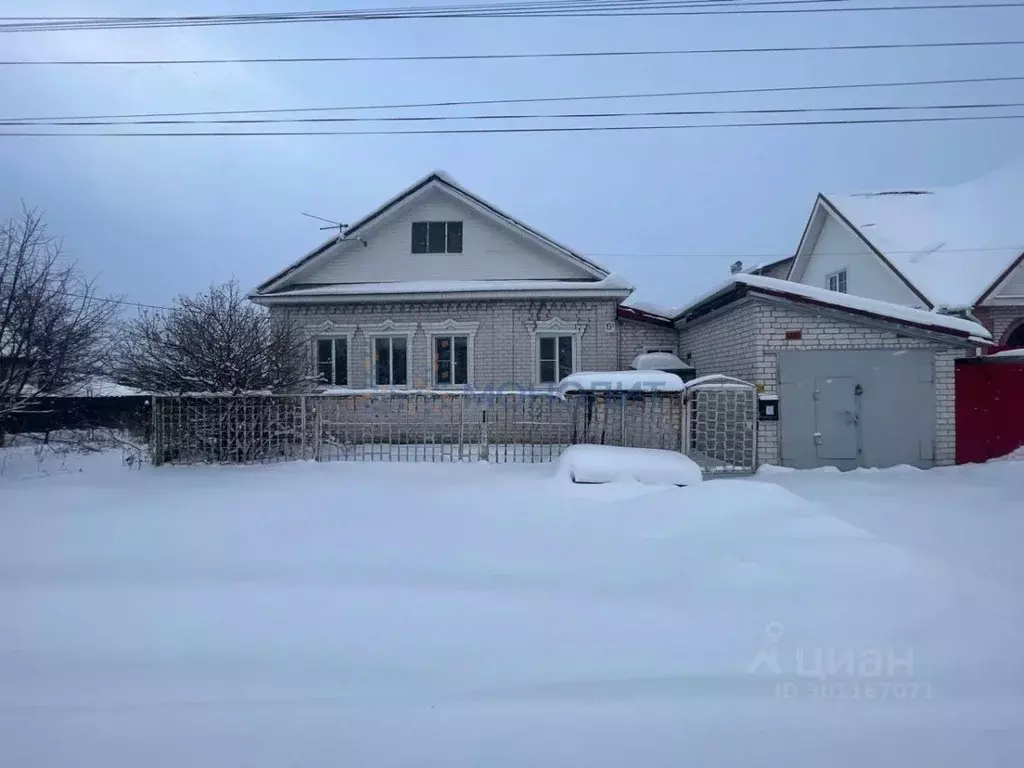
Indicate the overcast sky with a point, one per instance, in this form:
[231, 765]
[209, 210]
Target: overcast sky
[669, 210]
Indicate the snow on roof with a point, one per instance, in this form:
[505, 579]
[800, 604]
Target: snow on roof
[718, 381]
[1009, 354]
[659, 361]
[609, 283]
[658, 310]
[621, 381]
[953, 243]
[883, 309]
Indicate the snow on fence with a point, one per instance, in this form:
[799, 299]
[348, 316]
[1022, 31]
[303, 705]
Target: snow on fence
[447, 426]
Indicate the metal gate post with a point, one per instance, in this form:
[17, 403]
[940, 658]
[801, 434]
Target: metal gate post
[684, 425]
[485, 451]
[462, 425]
[302, 403]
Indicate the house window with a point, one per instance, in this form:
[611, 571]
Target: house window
[555, 358]
[437, 237]
[332, 361]
[451, 360]
[390, 361]
[836, 281]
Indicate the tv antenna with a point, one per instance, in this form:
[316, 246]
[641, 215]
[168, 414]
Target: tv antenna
[333, 225]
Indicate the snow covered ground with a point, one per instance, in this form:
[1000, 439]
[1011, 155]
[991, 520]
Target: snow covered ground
[469, 615]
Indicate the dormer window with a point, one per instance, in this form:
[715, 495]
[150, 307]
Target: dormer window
[836, 281]
[437, 237]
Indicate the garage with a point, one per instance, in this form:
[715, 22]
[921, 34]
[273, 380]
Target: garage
[844, 381]
[841, 407]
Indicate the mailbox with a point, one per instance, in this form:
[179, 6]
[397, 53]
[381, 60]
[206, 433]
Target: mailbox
[768, 408]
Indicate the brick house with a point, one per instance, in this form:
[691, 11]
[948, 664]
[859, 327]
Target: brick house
[958, 249]
[440, 289]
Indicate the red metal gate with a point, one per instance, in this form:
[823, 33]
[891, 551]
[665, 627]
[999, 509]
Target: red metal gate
[989, 409]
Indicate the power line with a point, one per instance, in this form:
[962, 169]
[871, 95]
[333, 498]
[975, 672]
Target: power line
[607, 8]
[528, 100]
[538, 130]
[513, 56]
[534, 116]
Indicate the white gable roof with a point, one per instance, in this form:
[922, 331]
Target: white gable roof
[324, 263]
[952, 243]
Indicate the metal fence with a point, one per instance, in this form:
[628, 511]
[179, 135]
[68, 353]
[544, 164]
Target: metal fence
[440, 426]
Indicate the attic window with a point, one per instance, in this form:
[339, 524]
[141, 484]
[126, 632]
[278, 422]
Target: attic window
[836, 281]
[437, 237]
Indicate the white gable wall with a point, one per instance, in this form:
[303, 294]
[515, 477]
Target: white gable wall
[490, 250]
[838, 248]
[1011, 290]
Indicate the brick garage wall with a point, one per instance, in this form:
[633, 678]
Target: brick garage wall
[636, 338]
[504, 344]
[726, 342]
[745, 339]
[1000, 320]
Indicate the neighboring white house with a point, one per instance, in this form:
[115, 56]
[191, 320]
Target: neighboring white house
[956, 249]
[438, 288]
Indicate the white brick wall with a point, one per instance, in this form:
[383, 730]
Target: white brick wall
[744, 341]
[504, 354]
[1000, 320]
[636, 338]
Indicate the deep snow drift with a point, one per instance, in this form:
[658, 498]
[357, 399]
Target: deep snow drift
[467, 615]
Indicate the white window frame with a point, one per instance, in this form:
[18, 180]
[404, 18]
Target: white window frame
[334, 360]
[372, 340]
[556, 326]
[331, 330]
[841, 278]
[448, 329]
[371, 332]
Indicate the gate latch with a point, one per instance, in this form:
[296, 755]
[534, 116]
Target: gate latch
[818, 439]
[858, 390]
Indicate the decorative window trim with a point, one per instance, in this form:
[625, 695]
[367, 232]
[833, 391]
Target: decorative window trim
[333, 329]
[560, 325]
[388, 328]
[332, 335]
[556, 327]
[451, 327]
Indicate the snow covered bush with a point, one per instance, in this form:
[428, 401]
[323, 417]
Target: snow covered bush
[215, 341]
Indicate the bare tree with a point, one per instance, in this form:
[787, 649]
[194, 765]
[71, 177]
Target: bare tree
[214, 341]
[54, 328]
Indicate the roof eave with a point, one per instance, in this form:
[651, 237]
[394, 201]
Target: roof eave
[619, 294]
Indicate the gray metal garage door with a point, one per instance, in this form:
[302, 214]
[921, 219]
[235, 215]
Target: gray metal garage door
[872, 408]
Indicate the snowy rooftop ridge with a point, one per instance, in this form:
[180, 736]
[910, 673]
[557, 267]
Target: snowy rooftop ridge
[883, 309]
[952, 243]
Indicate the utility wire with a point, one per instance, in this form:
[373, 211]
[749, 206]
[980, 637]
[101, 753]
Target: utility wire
[504, 130]
[513, 56]
[521, 10]
[535, 116]
[528, 100]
